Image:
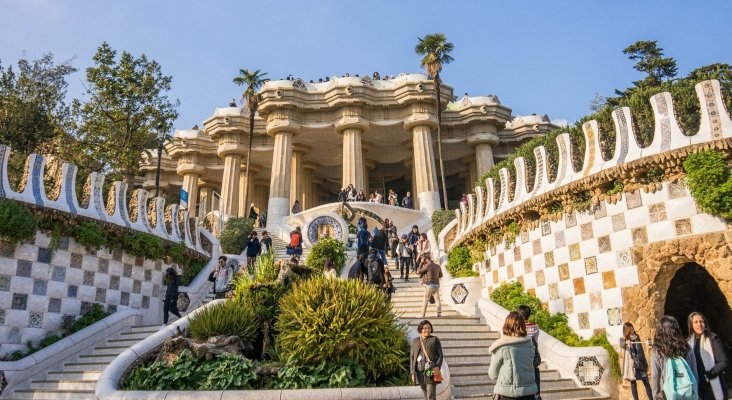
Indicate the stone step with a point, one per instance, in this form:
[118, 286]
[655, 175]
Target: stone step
[134, 335]
[548, 394]
[122, 342]
[114, 350]
[50, 394]
[484, 359]
[63, 385]
[444, 321]
[453, 352]
[461, 375]
[145, 328]
[486, 386]
[69, 375]
[85, 366]
[429, 316]
[92, 358]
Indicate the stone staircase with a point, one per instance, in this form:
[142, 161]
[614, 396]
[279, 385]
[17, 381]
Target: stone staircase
[280, 245]
[76, 378]
[465, 343]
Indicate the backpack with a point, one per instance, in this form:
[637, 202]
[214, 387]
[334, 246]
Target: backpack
[678, 380]
[374, 269]
[295, 240]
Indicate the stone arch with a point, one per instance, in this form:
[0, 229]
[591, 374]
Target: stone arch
[658, 263]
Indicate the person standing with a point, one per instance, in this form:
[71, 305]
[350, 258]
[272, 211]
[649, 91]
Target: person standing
[170, 303]
[363, 239]
[253, 250]
[393, 244]
[379, 243]
[412, 239]
[392, 198]
[329, 271]
[512, 358]
[253, 214]
[425, 355]
[266, 243]
[710, 358]
[423, 248]
[405, 257]
[532, 331]
[361, 196]
[669, 343]
[431, 274]
[222, 276]
[295, 247]
[296, 207]
[407, 201]
[635, 366]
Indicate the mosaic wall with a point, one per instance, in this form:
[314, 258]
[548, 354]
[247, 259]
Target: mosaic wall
[40, 293]
[579, 265]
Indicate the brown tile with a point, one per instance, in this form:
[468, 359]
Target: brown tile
[495, 276]
[540, 281]
[596, 300]
[618, 222]
[559, 239]
[516, 253]
[657, 212]
[574, 252]
[600, 210]
[563, 272]
[603, 243]
[640, 236]
[591, 265]
[633, 200]
[579, 286]
[536, 244]
[586, 231]
[509, 271]
[501, 260]
[677, 190]
[553, 291]
[527, 266]
[569, 305]
[570, 220]
[683, 226]
[583, 320]
[608, 280]
[520, 280]
[524, 236]
[531, 291]
[549, 258]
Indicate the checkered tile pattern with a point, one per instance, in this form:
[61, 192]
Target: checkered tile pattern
[579, 264]
[37, 291]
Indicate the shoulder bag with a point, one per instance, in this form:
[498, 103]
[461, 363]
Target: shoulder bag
[429, 367]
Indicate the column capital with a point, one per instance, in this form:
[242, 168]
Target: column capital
[185, 169]
[310, 165]
[301, 148]
[416, 120]
[483, 138]
[282, 120]
[355, 122]
[254, 168]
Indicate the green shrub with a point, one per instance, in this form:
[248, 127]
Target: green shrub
[511, 295]
[223, 372]
[95, 313]
[230, 318]
[144, 245]
[17, 224]
[178, 253]
[234, 236]
[459, 263]
[618, 187]
[47, 341]
[327, 248]
[324, 375]
[91, 235]
[192, 270]
[710, 182]
[477, 250]
[341, 321]
[440, 219]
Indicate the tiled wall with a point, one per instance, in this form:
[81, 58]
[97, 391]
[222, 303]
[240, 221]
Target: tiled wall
[579, 265]
[38, 292]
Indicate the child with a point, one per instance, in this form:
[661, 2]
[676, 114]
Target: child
[388, 282]
[532, 331]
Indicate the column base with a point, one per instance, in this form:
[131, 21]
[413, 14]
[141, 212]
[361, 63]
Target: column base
[429, 201]
[278, 208]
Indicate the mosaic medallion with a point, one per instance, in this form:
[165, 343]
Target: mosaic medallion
[589, 371]
[459, 293]
[324, 225]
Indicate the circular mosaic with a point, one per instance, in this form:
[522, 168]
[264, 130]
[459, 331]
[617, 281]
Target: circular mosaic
[324, 226]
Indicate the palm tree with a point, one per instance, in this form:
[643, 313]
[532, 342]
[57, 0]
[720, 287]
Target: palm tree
[253, 81]
[435, 50]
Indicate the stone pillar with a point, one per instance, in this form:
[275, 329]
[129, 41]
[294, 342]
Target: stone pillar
[190, 185]
[279, 188]
[367, 177]
[483, 138]
[353, 167]
[425, 173]
[249, 183]
[230, 184]
[296, 178]
[306, 200]
[260, 194]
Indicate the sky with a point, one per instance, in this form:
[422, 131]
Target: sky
[544, 57]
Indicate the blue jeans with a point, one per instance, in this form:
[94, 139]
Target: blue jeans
[382, 254]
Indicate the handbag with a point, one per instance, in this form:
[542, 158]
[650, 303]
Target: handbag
[212, 277]
[429, 368]
[183, 301]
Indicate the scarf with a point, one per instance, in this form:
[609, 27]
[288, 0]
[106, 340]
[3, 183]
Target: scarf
[707, 356]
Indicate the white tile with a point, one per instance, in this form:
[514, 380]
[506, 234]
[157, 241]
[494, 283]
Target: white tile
[74, 276]
[705, 223]
[573, 235]
[27, 252]
[637, 217]
[566, 289]
[16, 318]
[660, 231]
[70, 306]
[87, 293]
[41, 271]
[556, 306]
[627, 276]
[62, 258]
[115, 268]
[139, 273]
[21, 284]
[56, 289]
[598, 319]
[8, 266]
[6, 301]
[551, 274]
[612, 298]
[529, 281]
[52, 321]
[621, 239]
[542, 292]
[683, 207]
[561, 255]
[581, 303]
[89, 263]
[37, 303]
[603, 226]
[42, 240]
[606, 261]
[577, 268]
[34, 335]
[101, 280]
[593, 283]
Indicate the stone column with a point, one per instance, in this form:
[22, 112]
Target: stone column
[190, 185]
[483, 138]
[230, 184]
[279, 188]
[367, 177]
[260, 194]
[296, 175]
[351, 126]
[425, 173]
[308, 176]
[247, 182]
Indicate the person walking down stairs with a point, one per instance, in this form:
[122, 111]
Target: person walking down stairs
[431, 274]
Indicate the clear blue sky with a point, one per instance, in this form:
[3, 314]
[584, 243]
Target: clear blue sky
[537, 56]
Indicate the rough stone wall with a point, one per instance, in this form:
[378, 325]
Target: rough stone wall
[39, 291]
[657, 264]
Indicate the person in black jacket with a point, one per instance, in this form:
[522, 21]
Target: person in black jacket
[170, 303]
[253, 249]
[635, 365]
[426, 351]
[711, 359]
[379, 243]
[265, 243]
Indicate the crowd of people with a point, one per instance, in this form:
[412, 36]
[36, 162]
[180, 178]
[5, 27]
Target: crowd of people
[375, 76]
[350, 193]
